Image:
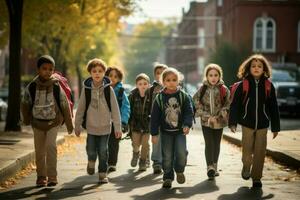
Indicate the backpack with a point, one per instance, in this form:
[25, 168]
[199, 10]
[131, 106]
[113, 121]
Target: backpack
[88, 95]
[120, 97]
[222, 93]
[245, 83]
[47, 112]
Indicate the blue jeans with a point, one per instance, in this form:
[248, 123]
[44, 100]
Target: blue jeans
[174, 154]
[98, 146]
[156, 155]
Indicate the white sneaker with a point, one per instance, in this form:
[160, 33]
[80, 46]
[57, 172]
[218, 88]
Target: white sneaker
[103, 178]
[216, 169]
[211, 172]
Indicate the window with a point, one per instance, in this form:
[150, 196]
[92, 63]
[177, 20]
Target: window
[201, 38]
[219, 27]
[220, 3]
[298, 36]
[264, 35]
[200, 64]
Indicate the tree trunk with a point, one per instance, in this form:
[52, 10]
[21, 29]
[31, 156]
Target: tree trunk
[15, 8]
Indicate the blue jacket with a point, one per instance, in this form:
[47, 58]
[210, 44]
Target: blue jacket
[125, 107]
[171, 113]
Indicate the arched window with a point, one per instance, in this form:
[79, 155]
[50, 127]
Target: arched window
[264, 33]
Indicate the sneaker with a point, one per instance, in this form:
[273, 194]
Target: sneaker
[142, 165]
[216, 169]
[111, 168]
[157, 169]
[180, 178]
[167, 183]
[256, 184]
[90, 167]
[211, 172]
[103, 178]
[245, 173]
[41, 181]
[52, 181]
[135, 157]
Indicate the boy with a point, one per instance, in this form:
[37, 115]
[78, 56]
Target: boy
[156, 87]
[139, 121]
[45, 107]
[97, 109]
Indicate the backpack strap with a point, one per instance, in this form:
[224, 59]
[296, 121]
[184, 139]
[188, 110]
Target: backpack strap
[245, 83]
[56, 94]
[268, 86]
[32, 91]
[222, 93]
[159, 100]
[107, 97]
[202, 92]
[120, 96]
[88, 94]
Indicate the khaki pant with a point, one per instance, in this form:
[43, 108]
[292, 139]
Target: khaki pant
[139, 139]
[254, 145]
[45, 151]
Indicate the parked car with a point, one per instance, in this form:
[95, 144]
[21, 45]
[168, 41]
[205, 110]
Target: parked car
[3, 109]
[286, 80]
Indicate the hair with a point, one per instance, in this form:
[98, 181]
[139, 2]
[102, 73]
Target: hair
[142, 76]
[118, 71]
[159, 66]
[210, 67]
[244, 69]
[45, 59]
[94, 63]
[169, 71]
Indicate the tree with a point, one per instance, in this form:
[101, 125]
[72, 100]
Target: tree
[144, 48]
[15, 8]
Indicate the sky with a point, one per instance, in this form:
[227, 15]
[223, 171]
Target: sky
[159, 9]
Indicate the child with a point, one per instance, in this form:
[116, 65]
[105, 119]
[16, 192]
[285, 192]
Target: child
[212, 102]
[116, 75]
[172, 118]
[156, 87]
[96, 109]
[139, 121]
[45, 107]
[254, 106]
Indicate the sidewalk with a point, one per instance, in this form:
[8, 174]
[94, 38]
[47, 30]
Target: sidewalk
[17, 151]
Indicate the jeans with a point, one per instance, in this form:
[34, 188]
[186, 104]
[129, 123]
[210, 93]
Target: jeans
[212, 138]
[174, 154]
[97, 145]
[113, 148]
[156, 155]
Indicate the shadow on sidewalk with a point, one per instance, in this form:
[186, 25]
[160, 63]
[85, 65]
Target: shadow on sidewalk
[122, 182]
[180, 192]
[246, 193]
[78, 187]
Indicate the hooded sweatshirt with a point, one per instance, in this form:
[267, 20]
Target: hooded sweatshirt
[125, 107]
[44, 93]
[98, 119]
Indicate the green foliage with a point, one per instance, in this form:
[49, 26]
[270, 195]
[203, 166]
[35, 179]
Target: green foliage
[144, 48]
[229, 58]
[4, 24]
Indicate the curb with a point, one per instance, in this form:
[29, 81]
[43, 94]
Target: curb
[12, 168]
[279, 156]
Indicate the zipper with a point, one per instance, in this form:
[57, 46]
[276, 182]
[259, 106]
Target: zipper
[246, 109]
[256, 103]
[265, 111]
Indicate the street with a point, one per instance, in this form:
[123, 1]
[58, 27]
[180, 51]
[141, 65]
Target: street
[128, 183]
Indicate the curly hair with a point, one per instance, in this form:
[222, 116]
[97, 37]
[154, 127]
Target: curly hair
[210, 67]
[244, 69]
[94, 63]
[118, 71]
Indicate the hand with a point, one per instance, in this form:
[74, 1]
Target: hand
[118, 134]
[224, 114]
[275, 134]
[77, 133]
[154, 139]
[233, 129]
[186, 130]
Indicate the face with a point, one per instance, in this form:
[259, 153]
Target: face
[97, 74]
[256, 68]
[142, 85]
[45, 71]
[171, 81]
[114, 78]
[213, 77]
[158, 73]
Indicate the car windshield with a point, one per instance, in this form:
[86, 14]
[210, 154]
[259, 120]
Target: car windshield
[280, 75]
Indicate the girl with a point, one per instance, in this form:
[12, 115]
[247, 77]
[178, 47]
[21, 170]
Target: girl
[116, 75]
[212, 105]
[172, 117]
[254, 106]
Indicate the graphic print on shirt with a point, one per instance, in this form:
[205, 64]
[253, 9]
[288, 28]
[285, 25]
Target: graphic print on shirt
[172, 112]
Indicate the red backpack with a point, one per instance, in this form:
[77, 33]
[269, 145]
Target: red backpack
[245, 83]
[63, 82]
